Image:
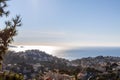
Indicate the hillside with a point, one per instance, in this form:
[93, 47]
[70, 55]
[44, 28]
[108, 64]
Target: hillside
[96, 61]
[35, 57]
[33, 62]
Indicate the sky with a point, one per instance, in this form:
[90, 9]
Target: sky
[67, 22]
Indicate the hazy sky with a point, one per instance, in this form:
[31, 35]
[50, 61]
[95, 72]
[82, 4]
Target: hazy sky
[68, 22]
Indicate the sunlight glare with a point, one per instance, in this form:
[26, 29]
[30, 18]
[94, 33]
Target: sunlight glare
[47, 49]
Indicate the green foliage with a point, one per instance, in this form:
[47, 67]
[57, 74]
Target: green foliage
[3, 5]
[7, 34]
[11, 76]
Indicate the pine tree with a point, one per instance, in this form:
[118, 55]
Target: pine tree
[7, 34]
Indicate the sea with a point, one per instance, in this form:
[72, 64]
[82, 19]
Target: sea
[73, 53]
[84, 52]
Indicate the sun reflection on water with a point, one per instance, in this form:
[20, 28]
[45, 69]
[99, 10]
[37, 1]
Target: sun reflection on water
[47, 49]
